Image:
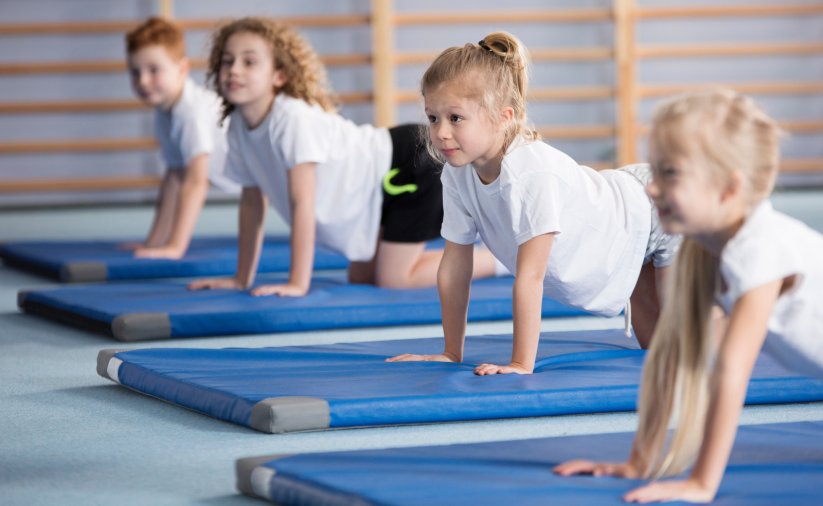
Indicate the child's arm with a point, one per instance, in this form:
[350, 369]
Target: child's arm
[748, 325]
[160, 229]
[189, 203]
[253, 206]
[302, 182]
[453, 285]
[532, 258]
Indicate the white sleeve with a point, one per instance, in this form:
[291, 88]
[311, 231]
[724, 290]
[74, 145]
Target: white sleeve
[536, 202]
[751, 264]
[305, 135]
[196, 135]
[458, 224]
[235, 168]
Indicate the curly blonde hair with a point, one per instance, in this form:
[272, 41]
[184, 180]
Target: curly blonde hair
[292, 54]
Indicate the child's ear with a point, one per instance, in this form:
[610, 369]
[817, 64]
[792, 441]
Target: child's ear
[734, 187]
[506, 117]
[279, 79]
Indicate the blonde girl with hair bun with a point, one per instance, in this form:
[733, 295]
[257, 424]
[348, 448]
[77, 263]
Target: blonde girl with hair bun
[371, 194]
[585, 238]
[715, 156]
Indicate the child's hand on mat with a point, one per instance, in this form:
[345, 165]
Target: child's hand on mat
[281, 290]
[673, 490]
[215, 284]
[486, 369]
[411, 357]
[130, 246]
[618, 470]
[168, 252]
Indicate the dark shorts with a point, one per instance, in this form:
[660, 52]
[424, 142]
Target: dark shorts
[412, 192]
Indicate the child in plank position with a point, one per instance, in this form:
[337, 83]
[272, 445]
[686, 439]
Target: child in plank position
[715, 158]
[588, 239]
[192, 143]
[327, 177]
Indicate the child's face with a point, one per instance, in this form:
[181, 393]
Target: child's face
[156, 77]
[247, 74]
[461, 130]
[688, 200]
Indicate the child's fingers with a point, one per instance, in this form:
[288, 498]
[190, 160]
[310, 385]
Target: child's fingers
[573, 467]
[405, 357]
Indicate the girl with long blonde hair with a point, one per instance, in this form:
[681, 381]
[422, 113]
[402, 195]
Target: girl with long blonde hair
[715, 156]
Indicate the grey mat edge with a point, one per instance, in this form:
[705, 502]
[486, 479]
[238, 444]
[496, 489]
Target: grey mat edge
[141, 327]
[277, 415]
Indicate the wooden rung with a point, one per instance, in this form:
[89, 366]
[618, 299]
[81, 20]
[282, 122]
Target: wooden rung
[66, 28]
[577, 131]
[323, 21]
[572, 93]
[91, 27]
[70, 106]
[802, 127]
[777, 88]
[83, 67]
[802, 165]
[79, 184]
[87, 106]
[78, 145]
[599, 165]
[727, 11]
[566, 54]
[703, 50]
[502, 16]
[540, 94]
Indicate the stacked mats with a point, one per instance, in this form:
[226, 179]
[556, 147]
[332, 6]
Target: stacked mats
[350, 385]
[167, 309]
[770, 464]
[92, 261]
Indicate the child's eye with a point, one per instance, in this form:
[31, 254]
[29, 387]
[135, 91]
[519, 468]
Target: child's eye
[666, 171]
[226, 62]
[454, 118]
[432, 119]
[249, 62]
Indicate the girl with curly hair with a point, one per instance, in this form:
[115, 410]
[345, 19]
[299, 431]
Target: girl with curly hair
[371, 194]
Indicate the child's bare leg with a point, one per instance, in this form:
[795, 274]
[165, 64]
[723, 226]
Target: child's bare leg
[410, 265]
[645, 305]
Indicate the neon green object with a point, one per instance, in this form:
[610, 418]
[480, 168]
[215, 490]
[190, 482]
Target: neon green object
[392, 189]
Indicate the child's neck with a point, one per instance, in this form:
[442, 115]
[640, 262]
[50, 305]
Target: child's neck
[255, 112]
[168, 106]
[488, 169]
[727, 227]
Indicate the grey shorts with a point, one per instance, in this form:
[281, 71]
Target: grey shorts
[662, 248]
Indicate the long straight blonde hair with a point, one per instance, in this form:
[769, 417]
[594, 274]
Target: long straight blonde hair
[727, 133]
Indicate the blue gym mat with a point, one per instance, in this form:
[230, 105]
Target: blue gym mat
[167, 309]
[347, 385]
[87, 261]
[769, 465]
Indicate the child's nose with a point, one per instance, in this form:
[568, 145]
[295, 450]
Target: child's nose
[442, 130]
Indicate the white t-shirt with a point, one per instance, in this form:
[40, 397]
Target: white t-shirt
[601, 221]
[351, 162]
[771, 246]
[191, 129]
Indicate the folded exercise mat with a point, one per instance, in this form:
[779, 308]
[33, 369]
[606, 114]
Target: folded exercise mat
[105, 261]
[347, 385]
[167, 309]
[770, 464]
